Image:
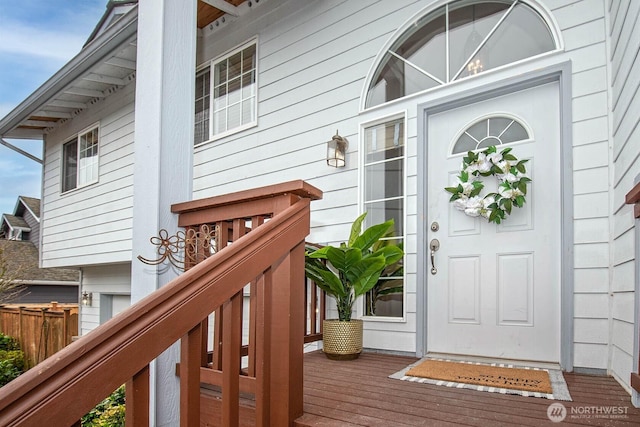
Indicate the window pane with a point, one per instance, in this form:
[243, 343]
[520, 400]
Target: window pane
[235, 97]
[219, 121]
[248, 85]
[235, 65]
[248, 111]
[234, 116]
[384, 141]
[202, 102]
[415, 81]
[249, 59]
[478, 130]
[234, 91]
[465, 143]
[384, 180]
[425, 44]
[491, 131]
[88, 163]
[388, 83]
[70, 165]
[220, 97]
[514, 133]
[521, 35]
[468, 26]
[382, 211]
[386, 298]
[497, 125]
[220, 73]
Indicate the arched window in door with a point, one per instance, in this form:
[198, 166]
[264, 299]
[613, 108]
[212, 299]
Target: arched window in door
[455, 41]
[494, 130]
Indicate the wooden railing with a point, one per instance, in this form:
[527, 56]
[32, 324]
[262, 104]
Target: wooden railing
[271, 257]
[633, 198]
[207, 230]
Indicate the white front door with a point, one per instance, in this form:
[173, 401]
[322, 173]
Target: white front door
[496, 292]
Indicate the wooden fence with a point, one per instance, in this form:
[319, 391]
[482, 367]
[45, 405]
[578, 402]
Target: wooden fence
[42, 331]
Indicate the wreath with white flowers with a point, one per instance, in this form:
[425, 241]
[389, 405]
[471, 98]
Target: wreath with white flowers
[512, 184]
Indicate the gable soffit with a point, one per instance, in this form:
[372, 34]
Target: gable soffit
[105, 64]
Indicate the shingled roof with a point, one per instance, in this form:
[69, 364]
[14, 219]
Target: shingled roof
[15, 221]
[22, 262]
[32, 204]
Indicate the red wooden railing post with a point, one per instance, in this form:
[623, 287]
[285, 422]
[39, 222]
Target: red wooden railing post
[287, 338]
[137, 399]
[633, 198]
[232, 335]
[190, 362]
[263, 348]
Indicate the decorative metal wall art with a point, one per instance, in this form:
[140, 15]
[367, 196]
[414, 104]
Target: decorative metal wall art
[184, 249]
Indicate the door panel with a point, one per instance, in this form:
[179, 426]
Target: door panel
[496, 292]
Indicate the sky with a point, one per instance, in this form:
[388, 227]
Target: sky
[37, 37]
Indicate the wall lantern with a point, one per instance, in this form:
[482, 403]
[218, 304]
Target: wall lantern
[336, 151]
[87, 299]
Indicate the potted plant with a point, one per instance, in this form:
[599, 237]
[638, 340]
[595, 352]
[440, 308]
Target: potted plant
[346, 272]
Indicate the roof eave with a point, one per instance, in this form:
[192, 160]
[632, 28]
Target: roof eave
[91, 54]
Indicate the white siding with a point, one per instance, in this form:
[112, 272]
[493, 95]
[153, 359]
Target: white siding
[625, 83]
[104, 280]
[92, 224]
[583, 31]
[313, 60]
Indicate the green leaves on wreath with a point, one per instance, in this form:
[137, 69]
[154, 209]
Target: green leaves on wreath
[520, 166]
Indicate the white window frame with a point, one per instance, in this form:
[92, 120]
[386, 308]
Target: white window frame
[361, 206]
[544, 14]
[211, 65]
[77, 140]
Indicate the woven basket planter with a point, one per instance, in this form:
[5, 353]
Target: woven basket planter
[342, 340]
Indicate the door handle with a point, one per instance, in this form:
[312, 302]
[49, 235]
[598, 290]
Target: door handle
[434, 245]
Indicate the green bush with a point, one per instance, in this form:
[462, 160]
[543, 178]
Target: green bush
[8, 343]
[11, 359]
[108, 413]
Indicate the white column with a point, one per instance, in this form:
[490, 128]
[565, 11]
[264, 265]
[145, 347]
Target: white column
[164, 112]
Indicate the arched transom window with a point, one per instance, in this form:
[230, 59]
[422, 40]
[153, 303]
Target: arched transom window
[494, 130]
[458, 40]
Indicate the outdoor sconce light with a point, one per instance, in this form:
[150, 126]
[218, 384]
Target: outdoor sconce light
[336, 151]
[87, 298]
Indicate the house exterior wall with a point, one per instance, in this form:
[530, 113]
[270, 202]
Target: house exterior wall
[102, 281]
[313, 61]
[34, 224]
[92, 224]
[624, 46]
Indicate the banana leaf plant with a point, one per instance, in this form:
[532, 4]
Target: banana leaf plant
[391, 281]
[352, 269]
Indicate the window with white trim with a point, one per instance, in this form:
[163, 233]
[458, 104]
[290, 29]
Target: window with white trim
[80, 160]
[228, 100]
[383, 198]
[458, 40]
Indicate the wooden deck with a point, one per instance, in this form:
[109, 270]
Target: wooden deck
[358, 393]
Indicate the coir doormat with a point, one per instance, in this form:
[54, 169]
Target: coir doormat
[506, 379]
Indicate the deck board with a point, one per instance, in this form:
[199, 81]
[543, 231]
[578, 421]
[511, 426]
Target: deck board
[359, 393]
